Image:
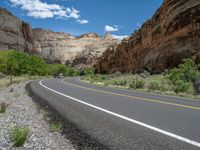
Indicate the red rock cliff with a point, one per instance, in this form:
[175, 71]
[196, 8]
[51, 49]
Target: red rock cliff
[173, 33]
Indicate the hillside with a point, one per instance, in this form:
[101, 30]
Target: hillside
[173, 33]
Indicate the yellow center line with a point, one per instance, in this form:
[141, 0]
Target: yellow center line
[134, 97]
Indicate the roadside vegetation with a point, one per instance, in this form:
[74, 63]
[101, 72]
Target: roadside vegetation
[177, 81]
[17, 66]
[19, 135]
[3, 107]
[56, 126]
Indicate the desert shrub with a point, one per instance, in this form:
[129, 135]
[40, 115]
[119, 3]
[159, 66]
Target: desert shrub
[144, 74]
[55, 126]
[89, 71]
[116, 74]
[154, 85]
[99, 77]
[3, 107]
[181, 86]
[120, 82]
[184, 72]
[137, 83]
[19, 135]
[180, 78]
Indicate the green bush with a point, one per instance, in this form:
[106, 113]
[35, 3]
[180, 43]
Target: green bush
[137, 83]
[89, 71]
[154, 85]
[120, 82]
[185, 71]
[181, 86]
[19, 135]
[17, 63]
[98, 78]
[180, 78]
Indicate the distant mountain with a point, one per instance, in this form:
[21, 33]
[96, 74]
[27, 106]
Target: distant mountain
[78, 52]
[173, 33]
[54, 47]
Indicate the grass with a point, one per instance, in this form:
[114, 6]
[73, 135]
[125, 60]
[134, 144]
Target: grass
[143, 82]
[5, 82]
[16, 94]
[19, 135]
[55, 126]
[3, 107]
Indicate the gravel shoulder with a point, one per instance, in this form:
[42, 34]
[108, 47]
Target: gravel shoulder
[23, 111]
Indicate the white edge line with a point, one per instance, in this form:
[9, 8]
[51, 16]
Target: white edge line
[128, 119]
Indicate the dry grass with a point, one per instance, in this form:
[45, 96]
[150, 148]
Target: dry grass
[5, 82]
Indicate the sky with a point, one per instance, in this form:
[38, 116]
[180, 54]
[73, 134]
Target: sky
[120, 17]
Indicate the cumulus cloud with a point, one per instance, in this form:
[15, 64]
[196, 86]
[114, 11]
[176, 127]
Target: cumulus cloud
[119, 37]
[39, 9]
[111, 29]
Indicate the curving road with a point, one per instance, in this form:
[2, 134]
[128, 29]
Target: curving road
[125, 119]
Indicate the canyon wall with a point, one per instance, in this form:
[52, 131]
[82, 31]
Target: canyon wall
[173, 33]
[64, 48]
[15, 34]
[54, 47]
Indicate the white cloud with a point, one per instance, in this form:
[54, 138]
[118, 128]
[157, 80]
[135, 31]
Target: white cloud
[83, 21]
[119, 37]
[111, 29]
[39, 9]
[73, 13]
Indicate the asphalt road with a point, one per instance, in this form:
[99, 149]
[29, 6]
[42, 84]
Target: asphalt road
[125, 119]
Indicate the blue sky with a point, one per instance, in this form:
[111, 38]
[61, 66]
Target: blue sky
[76, 17]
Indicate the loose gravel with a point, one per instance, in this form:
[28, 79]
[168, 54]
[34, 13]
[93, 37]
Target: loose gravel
[24, 112]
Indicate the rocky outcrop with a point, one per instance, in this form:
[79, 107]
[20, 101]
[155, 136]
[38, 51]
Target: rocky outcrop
[173, 33]
[15, 34]
[78, 52]
[54, 47]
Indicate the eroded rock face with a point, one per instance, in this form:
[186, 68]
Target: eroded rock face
[173, 33]
[15, 34]
[78, 52]
[54, 47]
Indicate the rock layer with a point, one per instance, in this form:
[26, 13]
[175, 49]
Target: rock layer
[15, 34]
[173, 33]
[54, 47]
[78, 52]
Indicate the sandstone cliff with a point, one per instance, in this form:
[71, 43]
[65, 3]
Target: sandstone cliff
[173, 33]
[78, 52]
[54, 47]
[15, 34]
